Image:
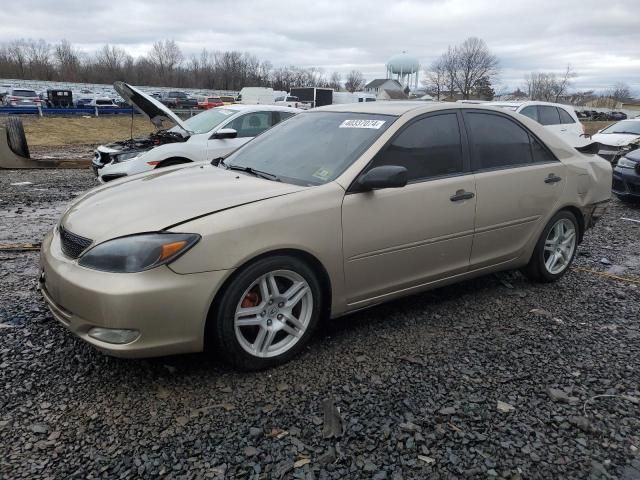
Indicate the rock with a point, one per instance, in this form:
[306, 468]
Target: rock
[409, 427]
[250, 451]
[327, 457]
[39, 428]
[605, 261]
[505, 407]
[447, 411]
[381, 475]
[558, 395]
[583, 423]
[255, 432]
[427, 460]
[332, 425]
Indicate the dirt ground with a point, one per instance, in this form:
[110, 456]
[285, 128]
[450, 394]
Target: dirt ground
[591, 128]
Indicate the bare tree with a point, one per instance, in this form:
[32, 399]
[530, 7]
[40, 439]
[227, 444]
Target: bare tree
[335, 81]
[355, 81]
[547, 86]
[436, 77]
[68, 60]
[474, 63]
[620, 92]
[449, 62]
[166, 56]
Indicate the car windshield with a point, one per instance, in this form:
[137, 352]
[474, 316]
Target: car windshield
[206, 121]
[625, 126]
[24, 93]
[311, 148]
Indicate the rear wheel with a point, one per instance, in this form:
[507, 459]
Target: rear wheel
[267, 314]
[16, 137]
[555, 249]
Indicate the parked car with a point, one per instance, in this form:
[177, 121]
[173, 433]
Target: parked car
[626, 177]
[57, 98]
[560, 119]
[227, 100]
[210, 134]
[22, 97]
[617, 116]
[205, 103]
[287, 101]
[175, 99]
[103, 103]
[320, 216]
[618, 139]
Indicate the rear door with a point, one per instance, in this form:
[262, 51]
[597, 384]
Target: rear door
[395, 239]
[518, 183]
[571, 128]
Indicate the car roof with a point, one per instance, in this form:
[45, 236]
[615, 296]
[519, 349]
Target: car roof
[517, 104]
[400, 108]
[248, 108]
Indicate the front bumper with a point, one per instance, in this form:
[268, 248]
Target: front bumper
[168, 310]
[626, 182]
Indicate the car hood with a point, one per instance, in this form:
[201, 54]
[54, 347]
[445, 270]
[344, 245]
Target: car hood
[154, 110]
[164, 198]
[615, 139]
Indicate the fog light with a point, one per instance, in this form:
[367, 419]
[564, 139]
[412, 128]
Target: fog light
[114, 335]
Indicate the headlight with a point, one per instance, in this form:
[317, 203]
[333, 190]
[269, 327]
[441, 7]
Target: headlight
[126, 156]
[137, 253]
[626, 163]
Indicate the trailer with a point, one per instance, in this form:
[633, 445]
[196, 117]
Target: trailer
[317, 97]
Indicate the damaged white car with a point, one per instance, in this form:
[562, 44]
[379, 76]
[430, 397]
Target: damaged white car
[618, 139]
[208, 135]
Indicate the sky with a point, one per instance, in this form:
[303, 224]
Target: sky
[599, 39]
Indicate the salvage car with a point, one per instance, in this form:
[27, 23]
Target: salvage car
[22, 97]
[205, 103]
[618, 139]
[626, 177]
[210, 134]
[560, 119]
[335, 210]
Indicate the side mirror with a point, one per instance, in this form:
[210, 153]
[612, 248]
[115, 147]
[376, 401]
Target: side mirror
[387, 176]
[224, 133]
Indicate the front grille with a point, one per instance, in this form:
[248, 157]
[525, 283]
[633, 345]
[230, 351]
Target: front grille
[73, 245]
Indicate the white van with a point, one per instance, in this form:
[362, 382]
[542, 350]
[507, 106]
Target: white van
[256, 96]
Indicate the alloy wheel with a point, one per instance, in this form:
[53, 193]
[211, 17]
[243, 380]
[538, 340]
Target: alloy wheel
[559, 246]
[273, 313]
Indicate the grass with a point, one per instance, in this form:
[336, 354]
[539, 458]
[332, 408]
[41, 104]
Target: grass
[57, 131]
[591, 128]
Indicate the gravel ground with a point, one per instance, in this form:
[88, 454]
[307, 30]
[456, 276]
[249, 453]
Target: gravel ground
[493, 378]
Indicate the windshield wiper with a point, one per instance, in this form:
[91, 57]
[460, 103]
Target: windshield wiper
[252, 171]
[626, 133]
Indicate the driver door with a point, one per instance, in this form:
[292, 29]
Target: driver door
[247, 125]
[396, 239]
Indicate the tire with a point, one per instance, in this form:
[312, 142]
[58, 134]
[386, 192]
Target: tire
[16, 137]
[551, 244]
[270, 325]
[170, 162]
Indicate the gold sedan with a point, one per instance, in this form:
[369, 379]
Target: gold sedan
[334, 210]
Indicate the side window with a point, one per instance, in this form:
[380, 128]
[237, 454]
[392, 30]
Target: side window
[548, 115]
[565, 117]
[252, 124]
[281, 116]
[497, 141]
[540, 153]
[429, 147]
[531, 111]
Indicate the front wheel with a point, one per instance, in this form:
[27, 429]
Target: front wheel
[555, 250]
[267, 314]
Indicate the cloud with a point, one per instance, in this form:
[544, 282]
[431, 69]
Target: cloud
[599, 39]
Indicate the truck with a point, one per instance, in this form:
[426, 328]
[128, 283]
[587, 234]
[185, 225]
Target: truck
[356, 97]
[316, 97]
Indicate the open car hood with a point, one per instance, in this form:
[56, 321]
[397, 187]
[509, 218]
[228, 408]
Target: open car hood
[154, 110]
[615, 139]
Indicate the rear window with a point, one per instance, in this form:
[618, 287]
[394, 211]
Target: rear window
[24, 93]
[214, 99]
[178, 95]
[548, 115]
[565, 117]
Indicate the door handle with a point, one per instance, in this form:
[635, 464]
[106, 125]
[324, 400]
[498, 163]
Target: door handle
[461, 195]
[552, 178]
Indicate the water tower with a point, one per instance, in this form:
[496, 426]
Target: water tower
[405, 68]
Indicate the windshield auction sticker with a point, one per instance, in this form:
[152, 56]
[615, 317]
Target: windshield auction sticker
[375, 124]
